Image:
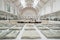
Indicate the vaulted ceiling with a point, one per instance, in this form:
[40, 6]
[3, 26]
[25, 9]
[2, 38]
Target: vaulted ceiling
[36, 4]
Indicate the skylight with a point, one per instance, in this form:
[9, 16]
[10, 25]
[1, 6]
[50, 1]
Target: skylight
[23, 3]
[35, 3]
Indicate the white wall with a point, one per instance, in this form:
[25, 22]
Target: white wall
[1, 5]
[56, 6]
[48, 8]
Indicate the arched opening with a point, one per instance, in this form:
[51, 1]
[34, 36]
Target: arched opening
[29, 14]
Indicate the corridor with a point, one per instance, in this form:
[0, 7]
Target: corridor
[29, 19]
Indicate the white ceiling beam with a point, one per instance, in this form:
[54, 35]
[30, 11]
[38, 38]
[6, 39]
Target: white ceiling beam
[35, 3]
[23, 3]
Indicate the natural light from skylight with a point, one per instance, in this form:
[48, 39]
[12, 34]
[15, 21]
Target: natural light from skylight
[23, 3]
[35, 3]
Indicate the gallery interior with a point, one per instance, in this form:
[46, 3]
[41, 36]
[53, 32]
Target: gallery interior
[29, 19]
